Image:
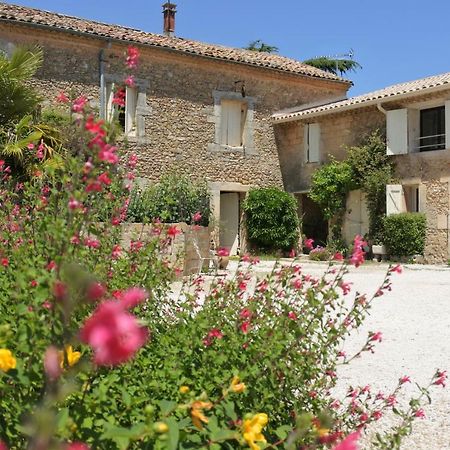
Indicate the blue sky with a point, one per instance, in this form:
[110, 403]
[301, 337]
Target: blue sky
[394, 40]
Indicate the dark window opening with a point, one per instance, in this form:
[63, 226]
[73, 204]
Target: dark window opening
[432, 129]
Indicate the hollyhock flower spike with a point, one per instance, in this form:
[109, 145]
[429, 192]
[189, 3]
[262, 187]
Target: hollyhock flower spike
[79, 104]
[129, 81]
[357, 257]
[132, 57]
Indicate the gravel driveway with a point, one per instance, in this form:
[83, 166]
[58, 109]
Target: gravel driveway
[415, 321]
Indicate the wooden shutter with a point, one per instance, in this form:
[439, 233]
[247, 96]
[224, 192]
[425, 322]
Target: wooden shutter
[447, 124]
[224, 107]
[306, 141]
[397, 132]
[395, 199]
[109, 113]
[130, 109]
[231, 123]
[314, 142]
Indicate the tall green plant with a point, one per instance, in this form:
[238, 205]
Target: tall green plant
[272, 220]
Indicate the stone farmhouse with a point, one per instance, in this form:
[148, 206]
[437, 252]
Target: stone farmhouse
[241, 119]
[416, 119]
[203, 108]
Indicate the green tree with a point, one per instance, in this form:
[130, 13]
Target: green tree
[334, 65]
[260, 46]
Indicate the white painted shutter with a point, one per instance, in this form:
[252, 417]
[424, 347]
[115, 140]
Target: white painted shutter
[306, 141]
[224, 106]
[447, 124]
[395, 200]
[109, 113]
[413, 130]
[314, 142]
[397, 132]
[130, 109]
[234, 124]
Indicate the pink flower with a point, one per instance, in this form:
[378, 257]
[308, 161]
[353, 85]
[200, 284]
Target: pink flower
[132, 57]
[77, 446]
[133, 297]
[116, 252]
[59, 290]
[349, 443]
[242, 286]
[245, 327]
[95, 291]
[52, 365]
[79, 104]
[132, 161]
[214, 333]
[197, 217]
[222, 251]
[30, 146]
[33, 283]
[338, 256]
[245, 314]
[4, 262]
[292, 253]
[92, 243]
[104, 179]
[114, 334]
[404, 379]
[391, 400]
[62, 98]
[309, 243]
[3, 446]
[129, 81]
[40, 150]
[441, 378]
[172, 231]
[107, 154]
[292, 315]
[376, 336]
[50, 266]
[377, 415]
[397, 268]
[420, 413]
[357, 257]
[345, 287]
[119, 97]
[297, 283]
[74, 204]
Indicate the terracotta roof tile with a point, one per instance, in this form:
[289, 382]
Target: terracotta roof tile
[14, 13]
[421, 86]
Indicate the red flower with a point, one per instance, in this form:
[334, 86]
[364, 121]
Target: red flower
[133, 297]
[391, 400]
[397, 268]
[404, 379]
[245, 314]
[172, 231]
[309, 243]
[62, 98]
[292, 315]
[357, 257]
[3, 446]
[377, 415]
[119, 98]
[222, 251]
[59, 290]
[376, 336]
[95, 291]
[50, 266]
[132, 57]
[420, 413]
[215, 333]
[104, 178]
[114, 334]
[345, 287]
[5, 262]
[52, 365]
[338, 256]
[79, 104]
[441, 378]
[129, 81]
[292, 253]
[245, 327]
[349, 443]
[77, 446]
[33, 283]
[197, 217]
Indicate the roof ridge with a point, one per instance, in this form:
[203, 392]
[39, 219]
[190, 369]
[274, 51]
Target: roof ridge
[24, 14]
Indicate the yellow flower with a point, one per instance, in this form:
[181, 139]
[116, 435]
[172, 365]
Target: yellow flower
[72, 357]
[7, 360]
[236, 385]
[322, 432]
[161, 427]
[252, 430]
[197, 415]
[184, 389]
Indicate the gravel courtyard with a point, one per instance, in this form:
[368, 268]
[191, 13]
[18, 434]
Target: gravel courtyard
[415, 321]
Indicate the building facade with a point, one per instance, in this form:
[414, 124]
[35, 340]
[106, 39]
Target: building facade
[415, 117]
[203, 109]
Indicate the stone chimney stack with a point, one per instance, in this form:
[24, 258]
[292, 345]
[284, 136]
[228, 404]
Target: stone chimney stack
[169, 10]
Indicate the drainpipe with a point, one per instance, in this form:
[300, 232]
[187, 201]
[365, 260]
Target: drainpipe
[101, 68]
[380, 108]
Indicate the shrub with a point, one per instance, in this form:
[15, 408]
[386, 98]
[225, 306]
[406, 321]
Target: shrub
[319, 254]
[404, 234]
[271, 219]
[176, 198]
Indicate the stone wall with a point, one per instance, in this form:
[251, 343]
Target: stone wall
[179, 103]
[186, 249]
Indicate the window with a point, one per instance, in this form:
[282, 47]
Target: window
[233, 117]
[432, 129]
[124, 112]
[412, 198]
[420, 128]
[312, 142]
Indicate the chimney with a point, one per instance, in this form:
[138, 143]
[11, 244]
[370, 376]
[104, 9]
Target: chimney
[169, 10]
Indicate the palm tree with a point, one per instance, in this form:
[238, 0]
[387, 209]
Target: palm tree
[334, 65]
[259, 46]
[16, 98]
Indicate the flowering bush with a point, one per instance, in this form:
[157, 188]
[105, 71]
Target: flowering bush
[96, 352]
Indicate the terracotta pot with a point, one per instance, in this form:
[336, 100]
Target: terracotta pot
[223, 262]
